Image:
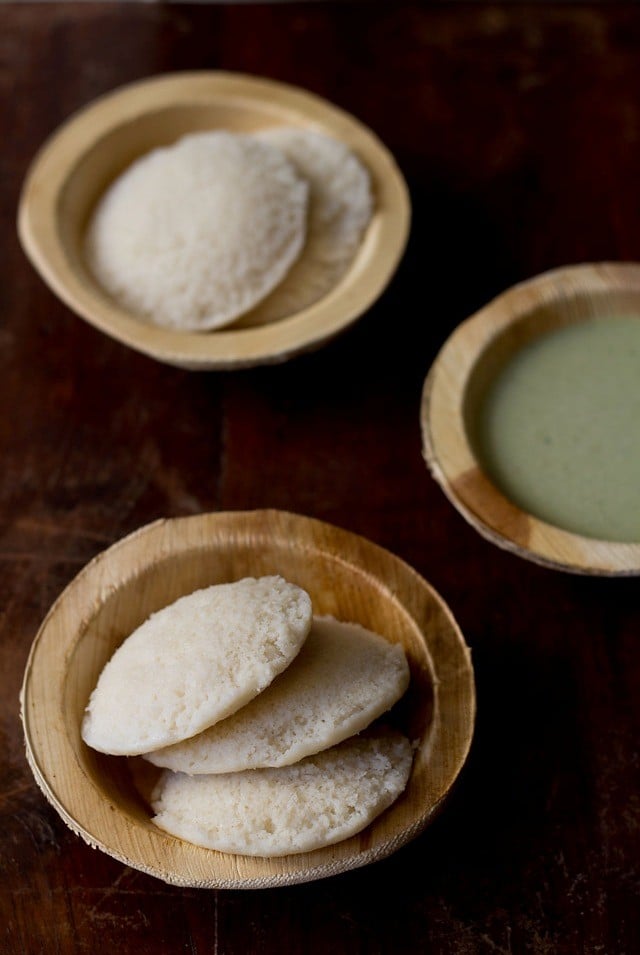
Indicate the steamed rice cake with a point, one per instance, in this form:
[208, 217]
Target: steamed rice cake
[195, 662]
[344, 677]
[273, 812]
[340, 209]
[192, 235]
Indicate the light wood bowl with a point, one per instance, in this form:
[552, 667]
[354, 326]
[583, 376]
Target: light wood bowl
[346, 576]
[83, 157]
[472, 355]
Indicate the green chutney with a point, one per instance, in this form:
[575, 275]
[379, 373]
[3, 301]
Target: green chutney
[558, 429]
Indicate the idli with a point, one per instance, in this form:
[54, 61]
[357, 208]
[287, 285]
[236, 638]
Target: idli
[340, 209]
[194, 234]
[273, 812]
[195, 662]
[343, 678]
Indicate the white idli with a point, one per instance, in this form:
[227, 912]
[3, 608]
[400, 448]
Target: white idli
[192, 235]
[194, 662]
[273, 812]
[340, 209]
[343, 678]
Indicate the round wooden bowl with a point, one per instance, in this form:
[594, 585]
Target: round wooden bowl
[89, 151]
[346, 576]
[468, 361]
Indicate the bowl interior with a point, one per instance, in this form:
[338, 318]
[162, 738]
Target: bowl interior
[88, 152]
[115, 150]
[351, 596]
[547, 316]
[101, 797]
[461, 376]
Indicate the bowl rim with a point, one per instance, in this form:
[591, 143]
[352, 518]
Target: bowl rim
[447, 449]
[76, 797]
[61, 154]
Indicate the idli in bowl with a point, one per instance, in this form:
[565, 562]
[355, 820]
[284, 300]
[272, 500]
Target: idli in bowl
[108, 799]
[215, 220]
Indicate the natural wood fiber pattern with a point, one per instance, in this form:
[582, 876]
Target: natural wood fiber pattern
[98, 143]
[476, 350]
[345, 575]
[516, 126]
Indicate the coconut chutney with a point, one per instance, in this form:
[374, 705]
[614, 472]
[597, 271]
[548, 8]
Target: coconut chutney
[558, 428]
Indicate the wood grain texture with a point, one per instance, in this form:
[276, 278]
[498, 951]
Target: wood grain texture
[518, 130]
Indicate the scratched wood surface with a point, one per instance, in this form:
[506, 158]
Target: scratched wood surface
[518, 128]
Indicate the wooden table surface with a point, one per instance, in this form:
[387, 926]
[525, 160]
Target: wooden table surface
[518, 129]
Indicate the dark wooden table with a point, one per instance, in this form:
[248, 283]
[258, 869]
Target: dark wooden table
[518, 128]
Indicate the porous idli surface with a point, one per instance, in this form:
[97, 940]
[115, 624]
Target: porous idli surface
[273, 812]
[195, 662]
[344, 677]
[192, 235]
[340, 208]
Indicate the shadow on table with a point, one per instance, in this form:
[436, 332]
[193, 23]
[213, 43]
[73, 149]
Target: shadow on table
[455, 261]
[495, 837]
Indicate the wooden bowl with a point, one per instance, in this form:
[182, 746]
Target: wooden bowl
[346, 576]
[90, 150]
[467, 363]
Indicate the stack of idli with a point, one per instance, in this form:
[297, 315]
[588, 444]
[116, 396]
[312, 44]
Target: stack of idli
[220, 225]
[254, 709]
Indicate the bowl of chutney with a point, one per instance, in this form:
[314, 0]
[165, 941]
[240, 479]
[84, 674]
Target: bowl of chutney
[531, 419]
